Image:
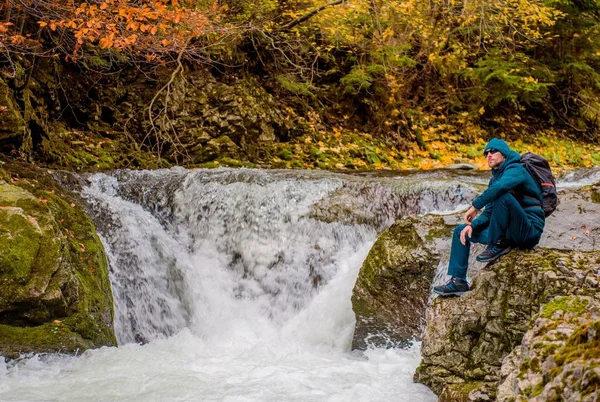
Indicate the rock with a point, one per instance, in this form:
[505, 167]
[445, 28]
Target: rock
[380, 204]
[12, 125]
[467, 338]
[392, 289]
[216, 148]
[461, 166]
[53, 273]
[558, 356]
[575, 224]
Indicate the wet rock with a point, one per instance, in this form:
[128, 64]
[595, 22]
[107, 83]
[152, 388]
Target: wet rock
[53, 273]
[392, 289]
[461, 166]
[380, 203]
[467, 338]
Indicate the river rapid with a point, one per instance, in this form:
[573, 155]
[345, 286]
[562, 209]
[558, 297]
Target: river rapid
[228, 287]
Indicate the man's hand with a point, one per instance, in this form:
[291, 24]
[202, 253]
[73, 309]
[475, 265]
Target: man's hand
[470, 215]
[467, 231]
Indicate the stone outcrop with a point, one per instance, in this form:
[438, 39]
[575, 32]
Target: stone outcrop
[55, 294]
[559, 356]
[127, 119]
[467, 338]
[392, 289]
[12, 126]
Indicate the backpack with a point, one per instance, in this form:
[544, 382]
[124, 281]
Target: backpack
[539, 169]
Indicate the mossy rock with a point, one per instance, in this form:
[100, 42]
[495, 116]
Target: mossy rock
[56, 294]
[595, 193]
[464, 392]
[559, 354]
[12, 125]
[468, 337]
[391, 292]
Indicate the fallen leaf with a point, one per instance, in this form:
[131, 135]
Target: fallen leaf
[73, 205]
[573, 237]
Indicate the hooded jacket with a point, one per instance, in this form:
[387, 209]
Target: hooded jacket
[510, 176]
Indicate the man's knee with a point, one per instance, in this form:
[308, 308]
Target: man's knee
[506, 199]
[458, 229]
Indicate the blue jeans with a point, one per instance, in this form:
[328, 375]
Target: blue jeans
[508, 223]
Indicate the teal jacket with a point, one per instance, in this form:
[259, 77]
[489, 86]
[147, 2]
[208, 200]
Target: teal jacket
[510, 176]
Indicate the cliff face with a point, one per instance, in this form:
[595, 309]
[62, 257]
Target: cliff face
[559, 356]
[527, 330]
[55, 295]
[63, 118]
[467, 338]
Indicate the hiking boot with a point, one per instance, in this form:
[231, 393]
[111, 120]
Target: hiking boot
[493, 252]
[454, 287]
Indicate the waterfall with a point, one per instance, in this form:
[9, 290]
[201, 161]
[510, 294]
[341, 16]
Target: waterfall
[235, 285]
[218, 251]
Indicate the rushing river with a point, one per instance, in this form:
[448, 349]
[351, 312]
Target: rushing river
[228, 287]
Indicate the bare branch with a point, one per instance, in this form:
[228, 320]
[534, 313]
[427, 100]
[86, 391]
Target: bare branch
[311, 14]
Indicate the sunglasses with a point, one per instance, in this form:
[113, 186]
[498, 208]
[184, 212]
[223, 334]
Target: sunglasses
[489, 151]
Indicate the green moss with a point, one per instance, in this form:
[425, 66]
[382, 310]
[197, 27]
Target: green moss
[20, 244]
[69, 264]
[565, 304]
[285, 154]
[582, 345]
[595, 194]
[289, 83]
[439, 232]
[403, 235]
[51, 337]
[230, 162]
[460, 392]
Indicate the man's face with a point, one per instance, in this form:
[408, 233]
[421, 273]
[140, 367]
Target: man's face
[494, 158]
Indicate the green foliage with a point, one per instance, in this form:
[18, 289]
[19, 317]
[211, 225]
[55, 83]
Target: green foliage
[358, 80]
[506, 78]
[564, 304]
[289, 83]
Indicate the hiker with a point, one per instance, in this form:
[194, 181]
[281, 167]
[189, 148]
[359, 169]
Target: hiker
[512, 216]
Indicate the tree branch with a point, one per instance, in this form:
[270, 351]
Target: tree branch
[311, 14]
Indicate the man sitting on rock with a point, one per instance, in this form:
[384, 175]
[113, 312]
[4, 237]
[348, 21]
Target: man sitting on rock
[512, 217]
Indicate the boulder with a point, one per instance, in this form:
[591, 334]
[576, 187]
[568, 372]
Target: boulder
[559, 356]
[467, 338]
[392, 289]
[55, 295]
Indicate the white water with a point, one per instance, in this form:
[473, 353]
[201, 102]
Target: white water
[241, 295]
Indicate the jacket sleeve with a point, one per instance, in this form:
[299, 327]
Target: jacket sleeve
[510, 179]
[483, 220]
